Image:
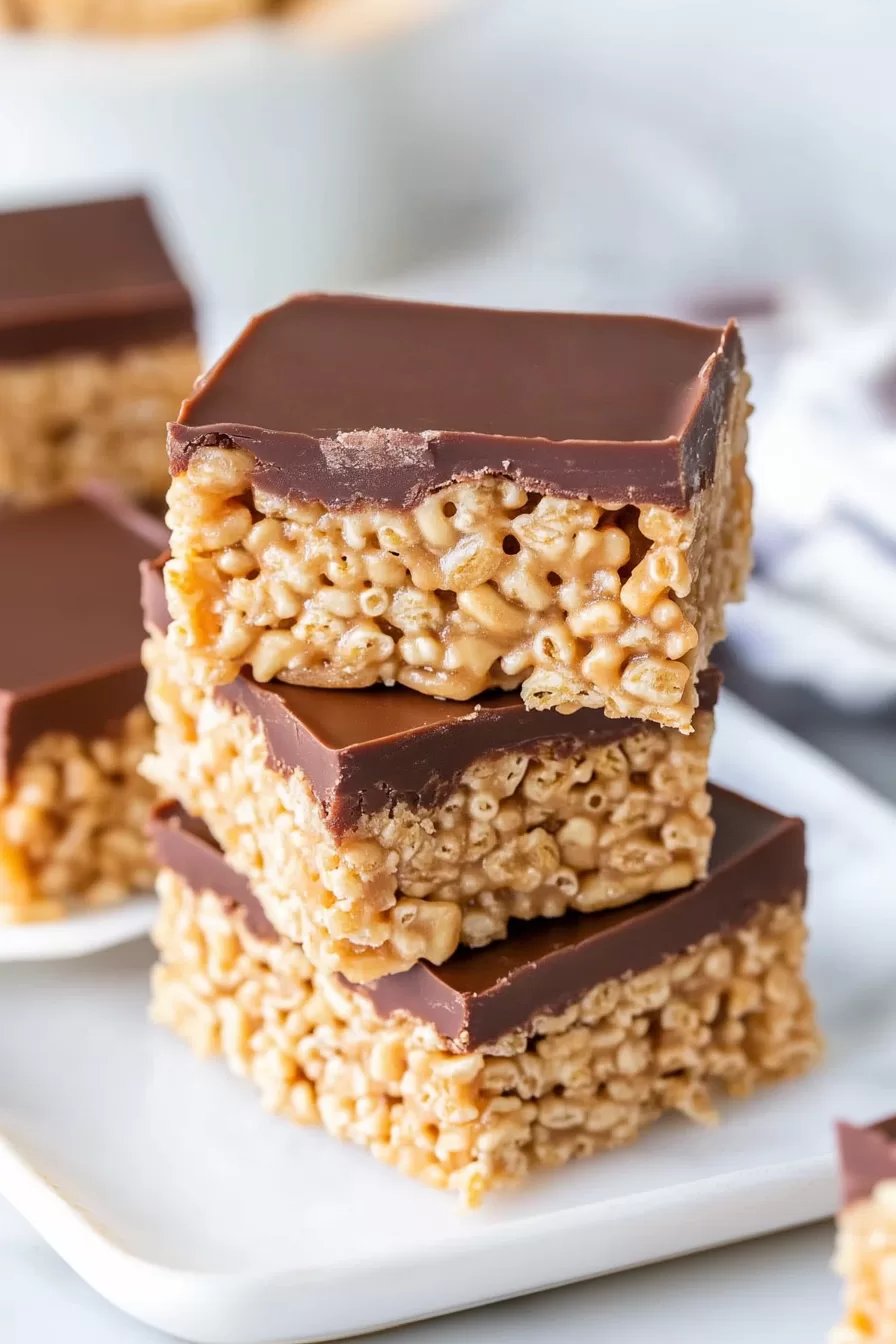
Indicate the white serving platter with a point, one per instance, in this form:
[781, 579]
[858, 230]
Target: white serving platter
[80, 933]
[161, 1182]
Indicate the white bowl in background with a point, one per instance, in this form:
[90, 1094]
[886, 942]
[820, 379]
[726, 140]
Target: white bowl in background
[265, 149]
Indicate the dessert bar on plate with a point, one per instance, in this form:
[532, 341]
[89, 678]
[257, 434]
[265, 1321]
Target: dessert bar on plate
[382, 826]
[97, 349]
[454, 499]
[73, 724]
[568, 1038]
[866, 1235]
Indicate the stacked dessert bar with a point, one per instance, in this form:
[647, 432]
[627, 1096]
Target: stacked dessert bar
[429, 662]
[73, 723]
[96, 347]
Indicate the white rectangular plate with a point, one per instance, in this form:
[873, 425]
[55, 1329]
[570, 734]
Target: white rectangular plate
[160, 1180]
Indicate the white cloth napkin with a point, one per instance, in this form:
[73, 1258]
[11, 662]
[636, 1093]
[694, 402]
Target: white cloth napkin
[822, 606]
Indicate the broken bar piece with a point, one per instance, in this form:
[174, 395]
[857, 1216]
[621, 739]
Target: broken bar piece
[570, 1037]
[457, 499]
[133, 17]
[866, 1233]
[73, 726]
[97, 347]
[128, 17]
[379, 827]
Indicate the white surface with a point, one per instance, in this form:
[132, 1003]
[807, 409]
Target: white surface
[777, 1289]
[165, 1187]
[83, 932]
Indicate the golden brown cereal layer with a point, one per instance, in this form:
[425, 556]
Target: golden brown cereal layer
[727, 1015]
[483, 585]
[521, 836]
[866, 1258]
[73, 822]
[87, 416]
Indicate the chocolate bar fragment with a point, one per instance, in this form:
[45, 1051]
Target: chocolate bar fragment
[97, 346]
[458, 500]
[566, 1039]
[383, 827]
[73, 725]
[866, 1232]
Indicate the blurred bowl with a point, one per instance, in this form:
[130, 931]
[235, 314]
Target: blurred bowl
[265, 148]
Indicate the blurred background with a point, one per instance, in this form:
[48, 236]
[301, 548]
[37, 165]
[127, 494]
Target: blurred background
[681, 158]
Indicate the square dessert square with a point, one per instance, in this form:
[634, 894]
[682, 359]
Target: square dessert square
[456, 500]
[97, 349]
[130, 16]
[866, 1235]
[73, 725]
[379, 827]
[569, 1038]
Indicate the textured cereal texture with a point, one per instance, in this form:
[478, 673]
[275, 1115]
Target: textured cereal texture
[519, 836]
[483, 585]
[80, 417]
[73, 823]
[130, 16]
[727, 1015]
[866, 1259]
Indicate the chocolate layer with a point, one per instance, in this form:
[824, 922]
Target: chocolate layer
[358, 400]
[758, 858]
[70, 612]
[363, 751]
[186, 846]
[92, 276]
[867, 1156]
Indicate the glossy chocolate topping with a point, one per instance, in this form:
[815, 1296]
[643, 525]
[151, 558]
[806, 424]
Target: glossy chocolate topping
[70, 612]
[187, 847]
[92, 276]
[547, 964]
[867, 1156]
[352, 400]
[363, 751]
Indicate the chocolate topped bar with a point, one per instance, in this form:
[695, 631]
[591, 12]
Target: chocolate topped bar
[69, 608]
[91, 276]
[543, 966]
[867, 1156]
[186, 845]
[350, 400]
[363, 751]
[758, 857]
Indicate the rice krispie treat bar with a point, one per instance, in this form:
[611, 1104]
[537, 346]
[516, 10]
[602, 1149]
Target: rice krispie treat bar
[333, 18]
[382, 826]
[570, 1038]
[73, 726]
[866, 1237]
[454, 499]
[97, 347]
[129, 17]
